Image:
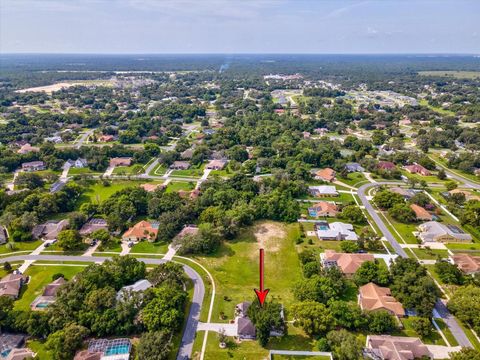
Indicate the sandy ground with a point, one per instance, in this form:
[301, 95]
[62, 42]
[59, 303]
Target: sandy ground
[48, 89]
[269, 235]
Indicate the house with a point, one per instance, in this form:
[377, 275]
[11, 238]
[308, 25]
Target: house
[11, 284]
[323, 208]
[216, 164]
[93, 225]
[151, 187]
[373, 297]
[106, 138]
[180, 165]
[417, 169]
[188, 230]
[187, 154]
[142, 230]
[386, 165]
[348, 263]
[79, 163]
[33, 166]
[242, 309]
[87, 355]
[388, 347]
[421, 213]
[53, 139]
[27, 148]
[245, 329]
[326, 174]
[433, 231]
[468, 194]
[48, 296]
[3, 235]
[10, 342]
[20, 354]
[49, 230]
[406, 193]
[121, 161]
[469, 264]
[323, 191]
[139, 286]
[335, 231]
[354, 167]
[306, 135]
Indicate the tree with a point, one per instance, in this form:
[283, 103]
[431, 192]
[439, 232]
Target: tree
[381, 321]
[169, 273]
[64, 343]
[402, 213]
[385, 199]
[266, 318]
[449, 273]
[465, 304]
[422, 326]
[353, 214]
[29, 180]
[349, 246]
[344, 345]
[155, 345]
[6, 308]
[319, 288]
[347, 315]
[313, 317]
[7, 267]
[371, 271]
[441, 175]
[76, 220]
[451, 185]
[465, 354]
[471, 214]
[69, 240]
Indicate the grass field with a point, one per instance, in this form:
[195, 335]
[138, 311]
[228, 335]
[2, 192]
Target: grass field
[97, 192]
[194, 171]
[158, 170]
[128, 170]
[438, 109]
[41, 275]
[352, 179]
[150, 248]
[180, 185]
[452, 73]
[235, 266]
[83, 171]
[21, 246]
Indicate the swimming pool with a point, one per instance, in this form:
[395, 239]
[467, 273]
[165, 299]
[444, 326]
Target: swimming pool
[117, 350]
[5, 353]
[42, 305]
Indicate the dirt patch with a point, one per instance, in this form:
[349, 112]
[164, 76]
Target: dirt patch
[269, 236]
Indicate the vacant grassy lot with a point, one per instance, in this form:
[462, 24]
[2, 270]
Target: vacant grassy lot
[98, 192]
[180, 185]
[150, 248]
[20, 246]
[128, 170]
[40, 276]
[194, 171]
[235, 266]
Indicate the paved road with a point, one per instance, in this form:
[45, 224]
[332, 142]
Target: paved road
[440, 307]
[83, 137]
[373, 214]
[186, 346]
[453, 175]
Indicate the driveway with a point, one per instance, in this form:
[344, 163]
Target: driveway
[229, 329]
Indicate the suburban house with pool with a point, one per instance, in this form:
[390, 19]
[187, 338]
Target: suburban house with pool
[48, 296]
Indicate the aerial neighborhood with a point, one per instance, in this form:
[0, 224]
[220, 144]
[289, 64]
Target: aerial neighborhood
[137, 196]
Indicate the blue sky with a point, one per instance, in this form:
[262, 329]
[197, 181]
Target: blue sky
[240, 26]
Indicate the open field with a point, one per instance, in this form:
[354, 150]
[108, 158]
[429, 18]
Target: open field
[452, 73]
[98, 192]
[180, 185]
[438, 109]
[65, 85]
[21, 246]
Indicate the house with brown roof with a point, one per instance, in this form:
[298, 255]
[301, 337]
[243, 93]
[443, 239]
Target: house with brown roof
[11, 284]
[386, 165]
[468, 194]
[421, 213]
[348, 263]
[323, 208]
[417, 169]
[188, 230]
[27, 148]
[388, 347]
[469, 264]
[216, 164]
[326, 174]
[373, 297]
[142, 230]
[106, 138]
[180, 165]
[48, 296]
[93, 225]
[121, 161]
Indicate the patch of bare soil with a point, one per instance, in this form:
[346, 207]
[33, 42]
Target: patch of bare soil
[269, 236]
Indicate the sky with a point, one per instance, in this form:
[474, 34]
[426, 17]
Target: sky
[240, 26]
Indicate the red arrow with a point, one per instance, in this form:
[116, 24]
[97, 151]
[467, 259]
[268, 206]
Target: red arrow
[262, 293]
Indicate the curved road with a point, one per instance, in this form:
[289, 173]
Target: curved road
[186, 346]
[440, 307]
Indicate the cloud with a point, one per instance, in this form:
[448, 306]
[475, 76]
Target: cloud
[344, 9]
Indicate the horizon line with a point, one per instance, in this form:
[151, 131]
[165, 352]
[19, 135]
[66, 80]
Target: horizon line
[239, 53]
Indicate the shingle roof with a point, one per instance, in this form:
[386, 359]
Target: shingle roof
[374, 297]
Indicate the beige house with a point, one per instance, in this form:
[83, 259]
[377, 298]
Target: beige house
[326, 174]
[467, 263]
[348, 263]
[373, 297]
[434, 231]
[11, 285]
[388, 347]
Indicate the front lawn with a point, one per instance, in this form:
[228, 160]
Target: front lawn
[21, 246]
[150, 248]
[174, 186]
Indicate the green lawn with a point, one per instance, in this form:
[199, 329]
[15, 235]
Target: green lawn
[150, 248]
[180, 185]
[446, 331]
[438, 109]
[97, 192]
[21, 246]
[83, 171]
[193, 171]
[458, 74]
[435, 338]
[41, 275]
[159, 170]
[352, 179]
[235, 266]
[128, 170]
[430, 254]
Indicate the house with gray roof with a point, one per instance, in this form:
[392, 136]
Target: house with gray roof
[433, 231]
[354, 167]
[335, 231]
